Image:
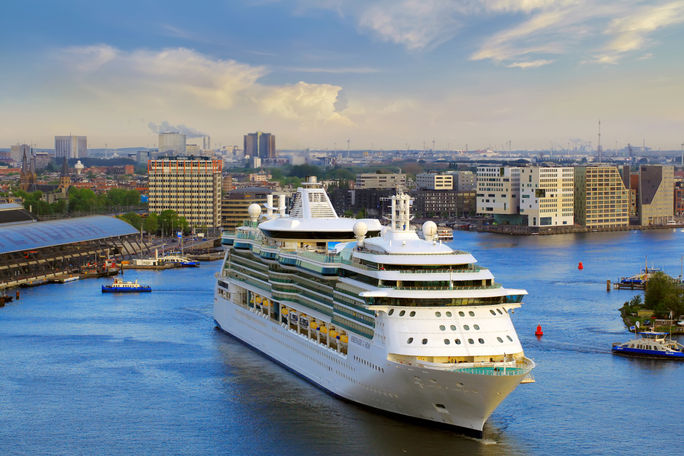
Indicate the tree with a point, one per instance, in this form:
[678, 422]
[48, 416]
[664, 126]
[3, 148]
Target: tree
[132, 218]
[151, 223]
[664, 295]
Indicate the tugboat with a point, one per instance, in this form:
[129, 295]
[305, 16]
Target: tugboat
[651, 345]
[121, 286]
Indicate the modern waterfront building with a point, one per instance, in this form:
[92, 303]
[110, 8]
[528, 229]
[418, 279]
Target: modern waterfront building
[443, 204]
[235, 203]
[71, 146]
[601, 198]
[434, 181]
[679, 198]
[171, 144]
[191, 186]
[656, 193]
[465, 181]
[546, 195]
[498, 193]
[260, 145]
[380, 181]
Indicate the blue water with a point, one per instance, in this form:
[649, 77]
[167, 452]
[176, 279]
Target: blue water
[86, 373]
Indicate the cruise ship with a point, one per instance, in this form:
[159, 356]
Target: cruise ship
[373, 314]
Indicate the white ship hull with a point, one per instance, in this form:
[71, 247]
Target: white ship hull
[367, 377]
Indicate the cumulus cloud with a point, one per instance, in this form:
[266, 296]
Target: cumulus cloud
[530, 64]
[173, 77]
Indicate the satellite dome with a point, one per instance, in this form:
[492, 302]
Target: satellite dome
[254, 211]
[360, 229]
[429, 229]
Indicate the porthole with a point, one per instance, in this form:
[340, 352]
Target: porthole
[448, 314]
[424, 341]
[510, 338]
[500, 312]
[442, 327]
[412, 314]
[402, 313]
[391, 311]
[409, 340]
[447, 341]
[499, 339]
[470, 341]
[476, 326]
[461, 314]
[466, 327]
[492, 312]
[480, 340]
[453, 327]
[438, 314]
[471, 313]
[458, 341]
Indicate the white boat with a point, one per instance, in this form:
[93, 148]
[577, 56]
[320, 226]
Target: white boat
[375, 315]
[651, 345]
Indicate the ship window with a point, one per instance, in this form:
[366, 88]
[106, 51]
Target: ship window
[480, 340]
[466, 327]
[391, 311]
[424, 341]
[442, 327]
[509, 338]
[492, 312]
[470, 341]
[471, 313]
[461, 314]
[402, 313]
[499, 310]
[453, 327]
[458, 341]
[448, 314]
[499, 339]
[476, 326]
[438, 314]
[413, 313]
[447, 341]
[409, 340]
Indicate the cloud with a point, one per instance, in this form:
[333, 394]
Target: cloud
[529, 64]
[333, 70]
[179, 76]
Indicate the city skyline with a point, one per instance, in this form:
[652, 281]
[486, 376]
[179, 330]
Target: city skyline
[384, 74]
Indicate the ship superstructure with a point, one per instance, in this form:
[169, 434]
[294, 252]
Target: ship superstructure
[373, 314]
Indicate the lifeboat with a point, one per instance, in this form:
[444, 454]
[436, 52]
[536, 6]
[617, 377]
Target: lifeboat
[324, 330]
[333, 333]
[285, 311]
[344, 338]
[314, 325]
[258, 299]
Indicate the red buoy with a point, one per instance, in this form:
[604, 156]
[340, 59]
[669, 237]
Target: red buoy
[539, 331]
[580, 266]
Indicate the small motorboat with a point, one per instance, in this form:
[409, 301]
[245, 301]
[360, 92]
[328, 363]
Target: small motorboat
[121, 286]
[651, 345]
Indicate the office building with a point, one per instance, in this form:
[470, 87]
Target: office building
[71, 146]
[443, 204]
[546, 195]
[465, 181]
[260, 145]
[171, 144]
[601, 198]
[380, 181]
[433, 181]
[498, 193]
[656, 193]
[679, 199]
[191, 186]
[235, 204]
[17, 152]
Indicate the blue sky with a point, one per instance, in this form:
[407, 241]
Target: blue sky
[385, 73]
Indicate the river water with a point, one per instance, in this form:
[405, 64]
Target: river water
[86, 373]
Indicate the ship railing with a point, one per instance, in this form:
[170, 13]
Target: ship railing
[445, 287]
[508, 368]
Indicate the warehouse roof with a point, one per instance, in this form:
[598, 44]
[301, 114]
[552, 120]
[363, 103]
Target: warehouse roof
[39, 235]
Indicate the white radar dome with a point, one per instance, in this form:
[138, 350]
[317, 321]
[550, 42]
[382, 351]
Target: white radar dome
[254, 211]
[360, 229]
[429, 229]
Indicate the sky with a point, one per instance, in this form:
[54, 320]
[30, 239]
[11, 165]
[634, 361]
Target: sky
[379, 74]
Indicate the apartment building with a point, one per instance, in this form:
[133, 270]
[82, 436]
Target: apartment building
[656, 194]
[546, 195]
[235, 203]
[601, 198]
[191, 186]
